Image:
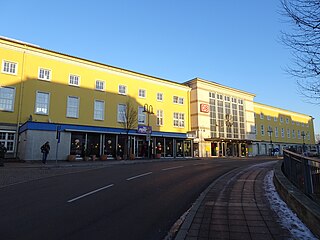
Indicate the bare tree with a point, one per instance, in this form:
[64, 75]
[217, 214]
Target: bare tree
[129, 122]
[304, 40]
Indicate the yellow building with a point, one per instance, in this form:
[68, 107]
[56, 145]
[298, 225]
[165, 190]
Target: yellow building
[81, 107]
[278, 128]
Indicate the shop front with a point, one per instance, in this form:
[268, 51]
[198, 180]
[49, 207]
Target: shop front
[229, 147]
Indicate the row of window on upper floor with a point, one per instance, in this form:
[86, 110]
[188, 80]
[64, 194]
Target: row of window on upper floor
[281, 119]
[226, 98]
[74, 80]
[42, 104]
[290, 133]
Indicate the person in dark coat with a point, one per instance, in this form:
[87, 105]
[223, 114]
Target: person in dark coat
[45, 149]
[3, 151]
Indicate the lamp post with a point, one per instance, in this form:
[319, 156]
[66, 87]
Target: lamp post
[149, 110]
[303, 144]
[270, 134]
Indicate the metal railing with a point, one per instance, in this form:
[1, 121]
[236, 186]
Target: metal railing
[303, 172]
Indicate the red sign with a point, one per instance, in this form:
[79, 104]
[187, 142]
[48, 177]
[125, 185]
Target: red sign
[204, 108]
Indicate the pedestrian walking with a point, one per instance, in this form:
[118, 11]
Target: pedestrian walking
[3, 151]
[45, 148]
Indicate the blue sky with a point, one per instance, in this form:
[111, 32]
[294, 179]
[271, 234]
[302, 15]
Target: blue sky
[235, 43]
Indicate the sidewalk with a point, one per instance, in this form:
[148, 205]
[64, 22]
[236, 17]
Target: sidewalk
[235, 206]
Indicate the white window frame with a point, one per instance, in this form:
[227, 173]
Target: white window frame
[7, 101]
[121, 114]
[46, 105]
[268, 118]
[262, 129]
[288, 133]
[160, 99]
[141, 116]
[282, 132]
[160, 118]
[261, 116]
[293, 133]
[178, 120]
[6, 140]
[47, 74]
[142, 93]
[73, 78]
[98, 113]
[9, 70]
[281, 119]
[178, 100]
[73, 109]
[122, 87]
[100, 85]
[276, 132]
[275, 119]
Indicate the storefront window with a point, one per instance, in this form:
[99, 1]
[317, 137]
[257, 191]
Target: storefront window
[110, 146]
[160, 146]
[93, 144]
[169, 147]
[187, 148]
[77, 144]
[179, 148]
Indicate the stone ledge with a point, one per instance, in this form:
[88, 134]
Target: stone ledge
[306, 209]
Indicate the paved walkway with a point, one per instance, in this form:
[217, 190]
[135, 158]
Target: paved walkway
[234, 207]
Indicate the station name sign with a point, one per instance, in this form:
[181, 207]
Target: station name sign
[204, 108]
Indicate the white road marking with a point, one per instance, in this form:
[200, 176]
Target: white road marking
[171, 168]
[89, 193]
[141, 175]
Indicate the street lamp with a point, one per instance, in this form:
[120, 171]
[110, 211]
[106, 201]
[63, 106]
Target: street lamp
[270, 134]
[303, 144]
[149, 110]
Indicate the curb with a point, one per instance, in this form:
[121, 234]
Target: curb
[306, 209]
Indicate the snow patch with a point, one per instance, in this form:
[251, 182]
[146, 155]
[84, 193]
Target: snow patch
[288, 219]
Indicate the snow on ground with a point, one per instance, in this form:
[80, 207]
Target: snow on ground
[288, 219]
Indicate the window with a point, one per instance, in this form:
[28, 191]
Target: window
[287, 120]
[44, 74]
[288, 133]
[275, 119]
[141, 116]
[98, 110]
[281, 119]
[178, 100]
[122, 108]
[262, 130]
[276, 133]
[293, 134]
[74, 80]
[8, 138]
[7, 95]
[282, 132]
[261, 116]
[299, 135]
[268, 118]
[142, 93]
[9, 67]
[100, 85]
[160, 117]
[122, 89]
[42, 103]
[178, 119]
[73, 107]
[160, 97]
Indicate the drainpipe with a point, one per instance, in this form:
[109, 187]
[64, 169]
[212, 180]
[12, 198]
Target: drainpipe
[20, 103]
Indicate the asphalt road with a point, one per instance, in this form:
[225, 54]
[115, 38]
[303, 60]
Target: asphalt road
[139, 201]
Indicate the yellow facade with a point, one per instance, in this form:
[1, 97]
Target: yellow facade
[285, 126]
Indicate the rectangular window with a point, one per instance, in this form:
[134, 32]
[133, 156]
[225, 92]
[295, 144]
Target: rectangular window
[282, 132]
[141, 116]
[261, 116]
[288, 133]
[122, 108]
[73, 107]
[8, 138]
[262, 130]
[7, 95]
[98, 110]
[178, 100]
[9, 67]
[293, 134]
[142, 93]
[299, 135]
[122, 90]
[100, 85]
[42, 103]
[281, 119]
[276, 132]
[160, 97]
[44, 74]
[178, 119]
[275, 119]
[287, 120]
[74, 80]
[160, 117]
[268, 118]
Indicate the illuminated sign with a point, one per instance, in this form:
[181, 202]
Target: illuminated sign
[204, 108]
